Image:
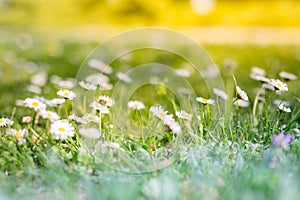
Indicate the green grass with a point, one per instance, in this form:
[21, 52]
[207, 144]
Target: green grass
[232, 158]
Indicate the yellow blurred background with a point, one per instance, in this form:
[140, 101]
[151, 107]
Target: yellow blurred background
[207, 20]
[57, 13]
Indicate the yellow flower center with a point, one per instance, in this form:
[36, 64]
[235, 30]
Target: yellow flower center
[18, 136]
[35, 104]
[91, 118]
[49, 115]
[1, 121]
[278, 85]
[66, 94]
[62, 129]
[162, 115]
[205, 100]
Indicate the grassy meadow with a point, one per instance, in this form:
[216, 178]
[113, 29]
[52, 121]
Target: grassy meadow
[236, 160]
[148, 125]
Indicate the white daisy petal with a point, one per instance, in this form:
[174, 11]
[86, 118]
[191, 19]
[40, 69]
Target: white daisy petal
[99, 65]
[62, 129]
[37, 105]
[242, 94]
[50, 115]
[205, 101]
[67, 94]
[136, 105]
[5, 121]
[87, 86]
[124, 77]
[279, 85]
[287, 76]
[220, 93]
[183, 115]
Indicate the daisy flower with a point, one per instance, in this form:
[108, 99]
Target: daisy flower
[268, 86]
[287, 76]
[19, 134]
[264, 79]
[284, 108]
[174, 127]
[45, 101]
[87, 86]
[158, 111]
[261, 99]
[77, 119]
[205, 101]
[37, 105]
[66, 84]
[55, 79]
[124, 77]
[58, 101]
[259, 78]
[279, 85]
[106, 101]
[241, 103]
[258, 71]
[97, 79]
[99, 65]
[167, 119]
[101, 108]
[242, 94]
[183, 72]
[5, 121]
[281, 140]
[34, 89]
[89, 117]
[136, 105]
[105, 86]
[220, 93]
[92, 133]
[183, 115]
[47, 114]
[67, 94]
[26, 119]
[277, 102]
[19, 102]
[39, 79]
[62, 129]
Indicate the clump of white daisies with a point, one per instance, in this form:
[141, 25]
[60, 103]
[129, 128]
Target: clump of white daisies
[166, 118]
[274, 85]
